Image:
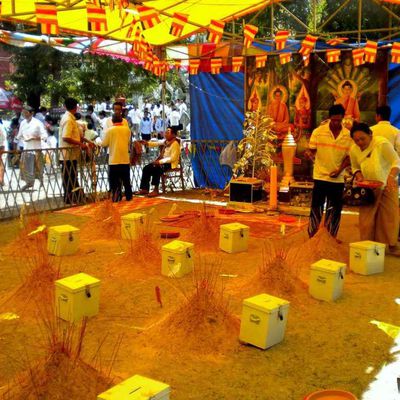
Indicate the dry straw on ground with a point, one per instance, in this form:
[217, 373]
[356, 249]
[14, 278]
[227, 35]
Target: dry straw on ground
[203, 323]
[62, 374]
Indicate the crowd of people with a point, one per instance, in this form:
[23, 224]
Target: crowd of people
[372, 155]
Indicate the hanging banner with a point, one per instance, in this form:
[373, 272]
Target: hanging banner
[358, 57]
[96, 16]
[307, 45]
[215, 31]
[46, 16]
[149, 17]
[179, 21]
[216, 64]
[285, 58]
[280, 39]
[194, 65]
[395, 56]
[237, 63]
[333, 56]
[336, 41]
[249, 33]
[261, 59]
[370, 51]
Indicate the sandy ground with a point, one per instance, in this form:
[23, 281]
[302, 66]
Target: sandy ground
[191, 342]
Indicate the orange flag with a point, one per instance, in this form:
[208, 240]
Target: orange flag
[179, 21]
[285, 58]
[370, 51]
[395, 53]
[149, 17]
[194, 65]
[358, 57]
[237, 63]
[215, 31]
[280, 39]
[96, 17]
[336, 41]
[249, 33]
[307, 45]
[216, 64]
[333, 56]
[46, 16]
[261, 59]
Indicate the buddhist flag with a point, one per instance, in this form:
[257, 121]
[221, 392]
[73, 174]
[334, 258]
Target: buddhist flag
[396, 53]
[280, 39]
[261, 59]
[96, 17]
[358, 57]
[333, 56]
[177, 64]
[336, 41]
[156, 65]
[215, 31]
[307, 45]
[370, 51]
[194, 65]
[285, 58]
[46, 16]
[216, 64]
[148, 64]
[237, 63]
[149, 17]
[249, 33]
[179, 21]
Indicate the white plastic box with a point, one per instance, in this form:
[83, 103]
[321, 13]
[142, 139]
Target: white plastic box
[132, 225]
[326, 279]
[264, 319]
[137, 388]
[77, 296]
[63, 240]
[367, 257]
[234, 237]
[177, 259]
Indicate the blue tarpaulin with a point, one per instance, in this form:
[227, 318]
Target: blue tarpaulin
[394, 93]
[217, 113]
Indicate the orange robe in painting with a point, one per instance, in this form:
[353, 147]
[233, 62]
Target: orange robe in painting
[279, 112]
[350, 105]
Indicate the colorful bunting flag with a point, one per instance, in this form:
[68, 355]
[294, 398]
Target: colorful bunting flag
[237, 63]
[280, 39]
[358, 57]
[149, 17]
[177, 64]
[336, 41]
[307, 45]
[395, 53]
[285, 58]
[46, 16]
[216, 64]
[148, 64]
[333, 56]
[179, 21]
[249, 33]
[261, 59]
[96, 17]
[370, 51]
[215, 31]
[194, 65]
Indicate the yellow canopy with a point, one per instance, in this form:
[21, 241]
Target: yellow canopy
[72, 16]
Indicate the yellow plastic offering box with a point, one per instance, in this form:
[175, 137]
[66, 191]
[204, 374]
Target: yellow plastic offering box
[264, 319]
[177, 259]
[63, 240]
[367, 257]
[132, 225]
[234, 237]
[137, 388]
[326, 279]
[77, 296]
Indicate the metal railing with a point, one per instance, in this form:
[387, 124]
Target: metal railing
[34, 179]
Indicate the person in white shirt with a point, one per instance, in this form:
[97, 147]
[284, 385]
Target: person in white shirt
[32, 132]
[329, 149]
[174, 118]
[169, 158]
[384, 128]
[117, 139]
[146, 127]
[373, 158]
[182, 107]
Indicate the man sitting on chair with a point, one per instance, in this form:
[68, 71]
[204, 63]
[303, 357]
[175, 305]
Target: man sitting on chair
[168, 159]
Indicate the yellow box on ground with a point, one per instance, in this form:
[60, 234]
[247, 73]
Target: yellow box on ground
[132, 224]
[177, 259]
[63, 240]
[233, 237]
[137, 388]
[264, 319]
[326, 279]
[77, 296]
[367, 257]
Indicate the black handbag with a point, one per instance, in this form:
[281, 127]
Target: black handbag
[357, 196]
